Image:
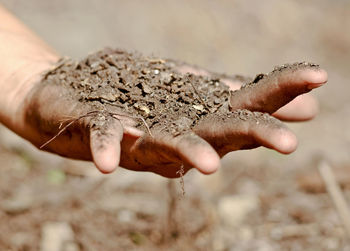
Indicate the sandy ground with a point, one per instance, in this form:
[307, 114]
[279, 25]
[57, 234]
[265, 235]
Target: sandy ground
[256, 202]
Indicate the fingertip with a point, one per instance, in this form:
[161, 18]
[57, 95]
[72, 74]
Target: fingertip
[315, 78]
[283, 141]
[274, 135]
[106, 159]
[287, 142]
[278, 88]
[208, 164]
[233, 85]
[199, 154]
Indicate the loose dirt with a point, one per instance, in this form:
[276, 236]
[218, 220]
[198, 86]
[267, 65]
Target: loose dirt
[276, 93]
[147, 88]
[157, 95]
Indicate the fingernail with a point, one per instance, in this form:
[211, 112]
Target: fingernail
[314, 85]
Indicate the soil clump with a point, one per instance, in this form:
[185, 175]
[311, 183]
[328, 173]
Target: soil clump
[147, 88]
[159, 97]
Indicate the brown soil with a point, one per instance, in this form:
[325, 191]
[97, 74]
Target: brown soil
[230, 36]
[150, 88]
[157, 95]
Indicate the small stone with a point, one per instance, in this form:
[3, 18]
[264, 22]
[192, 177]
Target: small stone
[234, 209]
[145, 109]
[57, 236]
[109, 96]
[198, 107]
[146, 89]
[95, 64]
[166, 77]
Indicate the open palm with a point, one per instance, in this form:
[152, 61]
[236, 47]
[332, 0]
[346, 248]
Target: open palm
[110, 139]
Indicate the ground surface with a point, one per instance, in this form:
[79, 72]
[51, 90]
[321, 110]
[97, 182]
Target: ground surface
[259, 200]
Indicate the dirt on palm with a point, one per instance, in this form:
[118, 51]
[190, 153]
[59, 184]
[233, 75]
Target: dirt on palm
[142, 87]
[154, 92]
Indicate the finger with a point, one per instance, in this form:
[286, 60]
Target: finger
[243, 129]
[105, 138]
[192, 69]
[198, 153]
[302, 108]
[268, 93]
[166, 155]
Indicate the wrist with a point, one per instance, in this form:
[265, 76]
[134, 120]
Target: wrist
[24, 57]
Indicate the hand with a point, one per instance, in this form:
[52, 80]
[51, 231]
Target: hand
[36, 111]
[120, 142]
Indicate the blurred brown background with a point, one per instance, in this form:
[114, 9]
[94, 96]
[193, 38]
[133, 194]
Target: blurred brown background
[142, 211]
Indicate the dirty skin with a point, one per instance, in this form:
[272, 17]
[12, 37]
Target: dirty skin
[155, 94]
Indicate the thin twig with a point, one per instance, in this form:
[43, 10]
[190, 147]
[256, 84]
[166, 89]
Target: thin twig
[199, 96]
[113, 115]
[59, 133]
[336, 194]
[147, 127]
[62, 121]
[133, 117]
[65, 127]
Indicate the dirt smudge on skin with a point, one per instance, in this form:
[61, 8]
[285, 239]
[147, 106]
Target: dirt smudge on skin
[269, 92]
